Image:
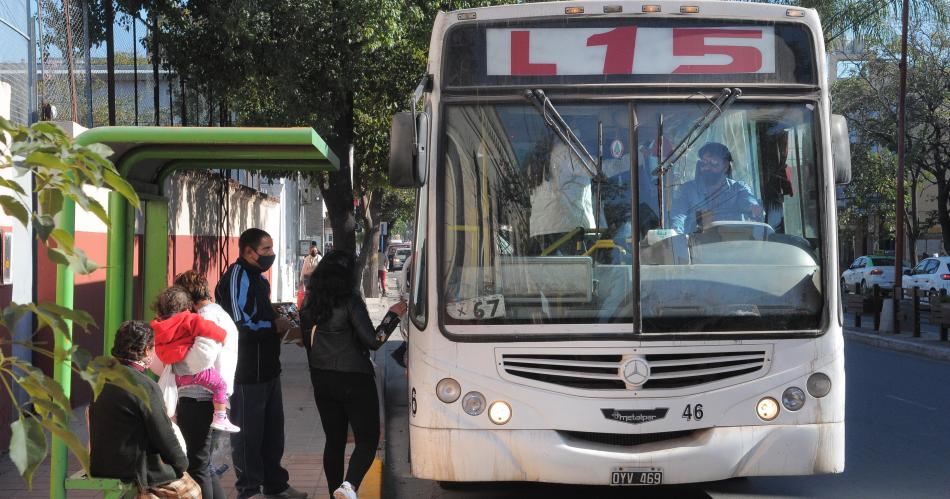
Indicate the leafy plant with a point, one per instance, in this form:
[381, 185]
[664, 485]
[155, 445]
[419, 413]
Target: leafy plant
[60, 168]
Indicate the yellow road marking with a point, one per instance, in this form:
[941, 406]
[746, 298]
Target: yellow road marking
[372, 485]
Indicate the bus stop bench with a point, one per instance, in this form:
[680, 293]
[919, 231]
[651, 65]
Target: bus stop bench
[111, 488]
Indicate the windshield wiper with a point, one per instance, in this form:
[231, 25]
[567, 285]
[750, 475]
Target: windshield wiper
[726, 98]
[556, 123]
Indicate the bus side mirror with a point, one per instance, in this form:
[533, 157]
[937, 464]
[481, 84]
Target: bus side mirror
[407, 149]
[840, 149]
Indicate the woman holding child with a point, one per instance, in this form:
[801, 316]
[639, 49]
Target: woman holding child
[205, 373]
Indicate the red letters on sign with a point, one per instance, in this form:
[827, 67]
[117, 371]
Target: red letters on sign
[692, 42]
[620, 43]
[520, 57]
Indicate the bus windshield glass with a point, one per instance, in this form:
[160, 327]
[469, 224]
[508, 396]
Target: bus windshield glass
[718, 214]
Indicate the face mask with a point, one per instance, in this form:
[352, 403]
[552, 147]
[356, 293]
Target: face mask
[710, 177]
[265, 261]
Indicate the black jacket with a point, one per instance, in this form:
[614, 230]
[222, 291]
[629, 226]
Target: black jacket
[244, 293]
[131, 441]
[342, 342]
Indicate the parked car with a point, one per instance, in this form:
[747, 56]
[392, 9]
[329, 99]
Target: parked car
[400, 257]
[931, 275]
[866, 271]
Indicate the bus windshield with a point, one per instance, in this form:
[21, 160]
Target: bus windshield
[723, 228]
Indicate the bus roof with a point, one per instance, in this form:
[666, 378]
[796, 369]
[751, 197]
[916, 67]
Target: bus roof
[668, 8]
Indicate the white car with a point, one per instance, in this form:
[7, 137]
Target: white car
[866, 271]
[931, 275]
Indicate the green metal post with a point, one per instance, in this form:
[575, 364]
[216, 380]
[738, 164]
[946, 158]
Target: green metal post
[61, 362]
[129, 303]
[115, 270]
[155, 268]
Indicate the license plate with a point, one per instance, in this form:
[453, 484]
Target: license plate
[624, 476]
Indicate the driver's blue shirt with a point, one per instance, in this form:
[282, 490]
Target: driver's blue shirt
[730, 200]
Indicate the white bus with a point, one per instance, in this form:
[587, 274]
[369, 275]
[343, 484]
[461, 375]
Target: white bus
[625, 267]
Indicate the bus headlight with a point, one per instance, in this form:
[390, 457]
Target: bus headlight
[819, 385]
[499, 412]
[473, 403]
[767, 409]
[448, 390]
[793, 398]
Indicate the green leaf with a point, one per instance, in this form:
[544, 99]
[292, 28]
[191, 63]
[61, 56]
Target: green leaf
[106, 369]
[13, 186]
[54, 322]
[80, 264]
[12, 314]
[47, 160]
[42, 387]
[47, 127]
[70, 439]
[51, 201]
[82, 358]
[101, 150]
[57, 256]
[14, 208]
[28, 447]
[118, 184]
[44, 225]
[64, 240]
[80, 318]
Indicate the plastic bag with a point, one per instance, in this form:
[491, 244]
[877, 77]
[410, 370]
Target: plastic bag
[166, 382]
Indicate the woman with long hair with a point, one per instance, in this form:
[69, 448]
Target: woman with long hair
[338, 335]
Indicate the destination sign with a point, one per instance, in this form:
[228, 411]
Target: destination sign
[628, 51]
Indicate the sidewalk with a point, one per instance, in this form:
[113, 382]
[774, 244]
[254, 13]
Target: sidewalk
[927, 345]
[303, 451]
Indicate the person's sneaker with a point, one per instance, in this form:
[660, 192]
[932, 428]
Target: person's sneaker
[289, 493]
[221, 422]
[345, 491]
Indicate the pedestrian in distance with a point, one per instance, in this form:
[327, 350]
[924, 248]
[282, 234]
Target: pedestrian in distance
[309, 264]
[195, 406]
[338, 336]
[131, 439]
[257, 405]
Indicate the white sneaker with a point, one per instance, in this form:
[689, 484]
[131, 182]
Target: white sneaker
[345, 491]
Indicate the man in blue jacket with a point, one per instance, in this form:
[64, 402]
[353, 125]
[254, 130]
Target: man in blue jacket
[713, 195]
[257, 403]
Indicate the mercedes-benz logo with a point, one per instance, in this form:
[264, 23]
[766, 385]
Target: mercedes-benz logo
[636, 371]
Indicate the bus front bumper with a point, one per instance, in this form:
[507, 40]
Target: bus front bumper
[550, 456]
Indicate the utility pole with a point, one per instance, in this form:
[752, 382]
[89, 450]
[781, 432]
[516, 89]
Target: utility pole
[899, 230]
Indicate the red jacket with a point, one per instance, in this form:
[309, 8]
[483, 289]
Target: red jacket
[175, 335]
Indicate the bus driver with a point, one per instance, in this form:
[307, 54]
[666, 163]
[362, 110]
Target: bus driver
[713, 195]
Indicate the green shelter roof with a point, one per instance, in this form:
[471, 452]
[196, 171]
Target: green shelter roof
[146, 155]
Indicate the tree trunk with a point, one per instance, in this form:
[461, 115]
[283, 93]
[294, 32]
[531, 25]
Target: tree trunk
[943, 210]
[339, 193]
[370, 261]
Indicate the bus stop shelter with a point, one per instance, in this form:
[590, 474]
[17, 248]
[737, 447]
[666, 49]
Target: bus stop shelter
[145, 157]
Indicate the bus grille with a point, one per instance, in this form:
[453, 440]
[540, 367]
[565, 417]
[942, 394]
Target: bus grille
[670, 369]
[625, 439]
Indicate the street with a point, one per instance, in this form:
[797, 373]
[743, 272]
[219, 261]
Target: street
[897, 442]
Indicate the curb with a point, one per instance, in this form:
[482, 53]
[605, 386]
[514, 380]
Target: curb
[931, 349]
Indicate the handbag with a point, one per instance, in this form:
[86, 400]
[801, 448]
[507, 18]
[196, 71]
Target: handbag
[169, 388]
[183, 488]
